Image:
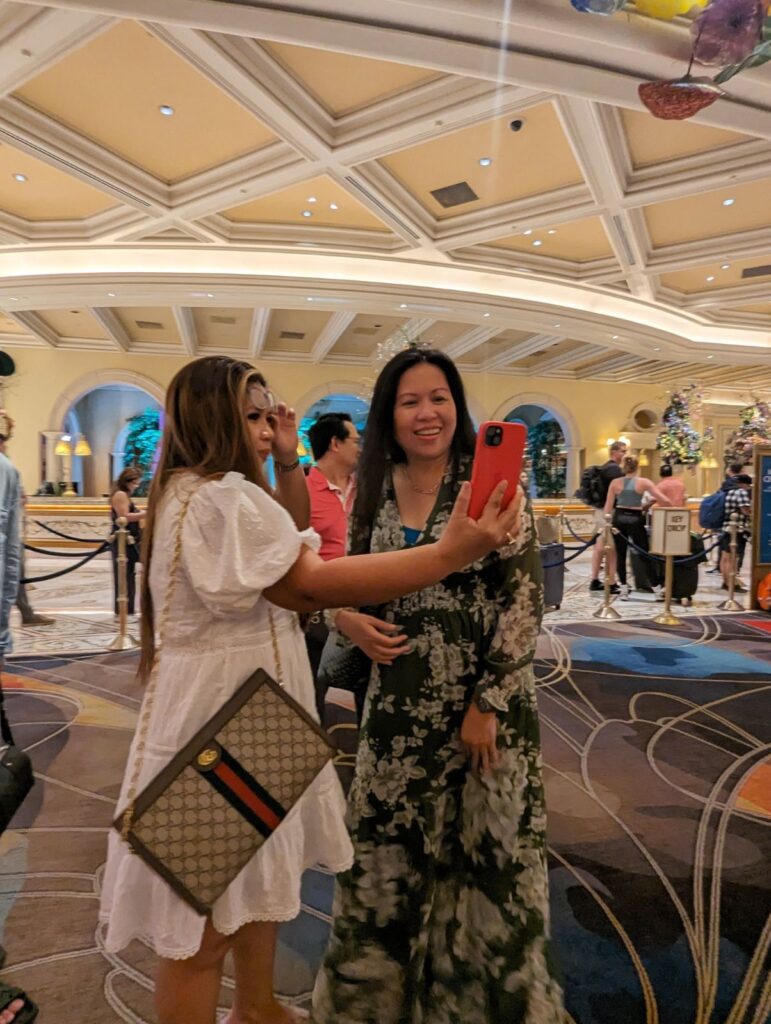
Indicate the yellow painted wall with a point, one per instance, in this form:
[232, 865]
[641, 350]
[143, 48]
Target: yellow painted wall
[600, 410]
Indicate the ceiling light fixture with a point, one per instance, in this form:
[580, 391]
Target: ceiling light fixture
[556, 325]
[538, 242]
[166, 110]
[485, 161]
[307, 213]
[710, 357]
[725, 266]
[311, 199]
[334, 206]
[528, 232]
[615, 337]
[485, 315]
[309, 299]
[657, 349]
[552, 231]
[210, 295]
[728, 202]
[20, 178]
[110, 295]
[711, 278]
[402, 305]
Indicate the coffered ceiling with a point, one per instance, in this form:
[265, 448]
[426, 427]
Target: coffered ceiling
[188, 177]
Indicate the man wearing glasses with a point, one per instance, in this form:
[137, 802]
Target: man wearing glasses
[335, 445]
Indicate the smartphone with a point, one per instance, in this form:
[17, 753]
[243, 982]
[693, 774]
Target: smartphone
[500, 451]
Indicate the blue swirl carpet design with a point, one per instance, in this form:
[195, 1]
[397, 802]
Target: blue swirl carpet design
[657, 751]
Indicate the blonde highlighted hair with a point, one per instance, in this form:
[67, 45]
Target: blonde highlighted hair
[204, 433]
[630, 464]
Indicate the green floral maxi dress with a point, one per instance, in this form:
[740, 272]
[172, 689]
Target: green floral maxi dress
[443, 918]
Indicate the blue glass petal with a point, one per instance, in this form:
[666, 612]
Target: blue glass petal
[598, 6]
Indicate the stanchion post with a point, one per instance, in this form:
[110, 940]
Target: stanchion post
[731, 604]
[123, 641]
[606, 609]
[667, 618]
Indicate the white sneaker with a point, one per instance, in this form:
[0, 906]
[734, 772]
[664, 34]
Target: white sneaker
[624, 592]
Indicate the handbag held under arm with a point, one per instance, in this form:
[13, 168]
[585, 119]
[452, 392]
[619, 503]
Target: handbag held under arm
[200, 821]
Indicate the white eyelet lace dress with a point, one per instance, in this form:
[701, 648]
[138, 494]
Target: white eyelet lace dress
[236, 541]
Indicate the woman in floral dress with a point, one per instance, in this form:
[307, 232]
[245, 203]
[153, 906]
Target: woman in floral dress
[443, 918]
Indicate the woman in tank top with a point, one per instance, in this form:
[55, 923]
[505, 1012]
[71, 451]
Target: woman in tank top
[625, 501]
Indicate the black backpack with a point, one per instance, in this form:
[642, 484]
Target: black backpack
[592, 488]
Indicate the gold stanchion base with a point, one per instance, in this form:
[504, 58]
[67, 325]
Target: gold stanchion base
[668, 619]
[606, 612]
[69, 492]
[731, 605]
[123, 643]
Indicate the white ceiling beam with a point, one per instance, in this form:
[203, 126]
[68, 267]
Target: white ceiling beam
[54, 143]
[546, 47]
[112, 325]
[185, 321]
[258, 332]
[520, 350]
[615, 364]
[331, 333]
[470, 340]
[35, 325]
[604, 169]
[32, 40]
[563, 360]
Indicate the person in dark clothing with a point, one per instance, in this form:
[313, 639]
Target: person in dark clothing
[609, 472]
[121, 506]
[625, 501]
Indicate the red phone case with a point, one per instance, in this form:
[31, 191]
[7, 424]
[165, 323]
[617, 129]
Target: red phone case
[495, 463]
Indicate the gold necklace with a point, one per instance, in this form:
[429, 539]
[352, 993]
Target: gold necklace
[419, 490]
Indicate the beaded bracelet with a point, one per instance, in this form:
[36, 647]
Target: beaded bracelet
[285, 467]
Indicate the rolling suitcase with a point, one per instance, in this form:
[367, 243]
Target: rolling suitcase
[647, 572]
[553, 574]
[685, 578]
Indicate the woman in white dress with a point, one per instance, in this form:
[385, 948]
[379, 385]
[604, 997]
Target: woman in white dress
[246, 557]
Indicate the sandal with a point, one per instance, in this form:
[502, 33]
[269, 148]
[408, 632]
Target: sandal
[27, 1013]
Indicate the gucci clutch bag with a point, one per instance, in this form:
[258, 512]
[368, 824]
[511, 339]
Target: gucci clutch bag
[201, 820]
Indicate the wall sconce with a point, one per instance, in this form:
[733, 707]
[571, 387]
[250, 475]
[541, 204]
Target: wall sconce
[644, 460]
[610, 441]
[66, 449]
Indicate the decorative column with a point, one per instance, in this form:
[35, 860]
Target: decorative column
[572, 470]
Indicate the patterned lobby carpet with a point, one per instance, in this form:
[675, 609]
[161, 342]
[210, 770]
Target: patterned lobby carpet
[658, 768]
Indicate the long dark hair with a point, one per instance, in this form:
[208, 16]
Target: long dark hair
[380, 444]
[205, 433]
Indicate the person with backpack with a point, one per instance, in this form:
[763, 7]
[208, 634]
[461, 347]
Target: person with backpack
[595, 482]
[737, 500]
[712, 508]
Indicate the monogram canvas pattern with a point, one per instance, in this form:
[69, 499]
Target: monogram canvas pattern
[195, 833]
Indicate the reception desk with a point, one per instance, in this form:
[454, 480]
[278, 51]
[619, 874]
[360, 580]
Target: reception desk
[87, 519]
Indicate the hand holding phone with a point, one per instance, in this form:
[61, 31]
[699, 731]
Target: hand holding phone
[499, 454]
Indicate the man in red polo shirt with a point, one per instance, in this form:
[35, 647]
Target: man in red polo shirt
[335, 445]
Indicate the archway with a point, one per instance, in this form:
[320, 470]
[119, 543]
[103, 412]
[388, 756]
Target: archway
[564, 452]
[99, 407]
[546, 458]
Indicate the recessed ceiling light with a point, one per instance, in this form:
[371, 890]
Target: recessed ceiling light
[710, 357]
[402, 305]
[485, 314]
[657, 349]
[711, 277]
[538, 242]
[166, 110]
[210, 295]
[311, 199]
[552, 231]
[334, 206]
[14, 299]
[728, 202]
[309, 299]
[614, 337]
[110, 295]
[307, 213]
[725, 266]
[556, 325]
[528, 232]
[20, 177]
[485, 161]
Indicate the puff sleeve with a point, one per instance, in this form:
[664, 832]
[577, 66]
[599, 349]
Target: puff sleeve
[237, 541]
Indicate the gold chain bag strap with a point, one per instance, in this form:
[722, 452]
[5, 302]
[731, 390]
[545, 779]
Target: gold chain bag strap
[200, 821]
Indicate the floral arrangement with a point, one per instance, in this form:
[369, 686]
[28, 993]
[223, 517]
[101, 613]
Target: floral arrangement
[680, 442]
[733, 35]
[754, 428]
